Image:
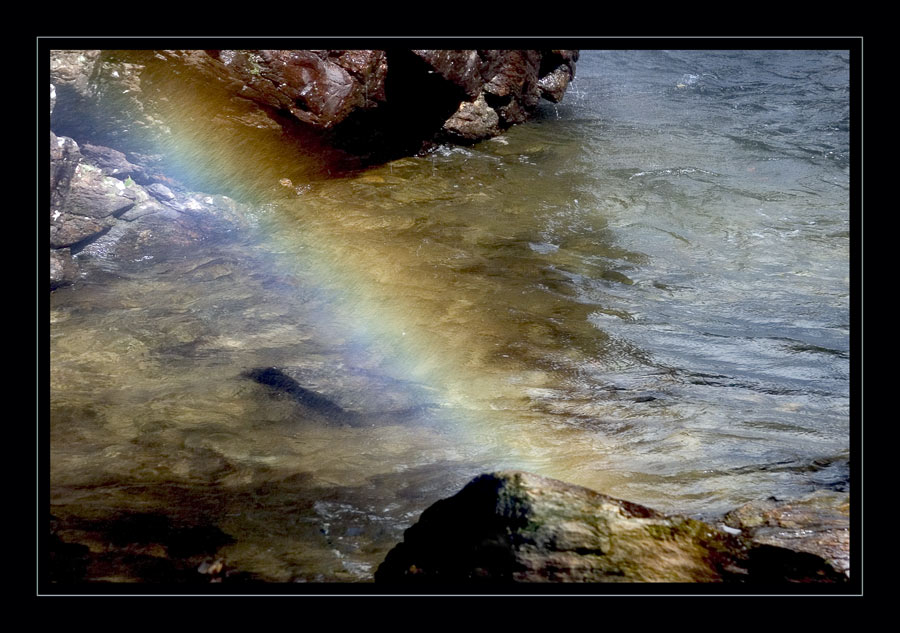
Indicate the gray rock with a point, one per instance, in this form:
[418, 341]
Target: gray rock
[67, 229]
[161, 192]
[63, 269]
[110, 161]
[64, 158]
[96, 196]
[115, 224]
[147, 207]
[73, 68]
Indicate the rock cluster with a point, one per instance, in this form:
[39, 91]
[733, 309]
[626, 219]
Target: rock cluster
[98, 207]
[402, 98]
[374, 104]
[518, 527]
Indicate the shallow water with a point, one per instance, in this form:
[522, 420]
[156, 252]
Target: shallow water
[645, 291]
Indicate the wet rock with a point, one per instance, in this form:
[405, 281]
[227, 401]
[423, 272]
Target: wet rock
[63, 269]
[100, 214]
[318, 87]
[68, 230]
[461, 67]
[94, 195]
[282, 383]
[817, 524]
[553, 86]
[73, 68]
[161, 192]
[515, 527]
[371, 104]
[83, 201]
[66, 562]
[111, 162]
[553, 83]
[148, 207]
[153, 231]
[98, 97]
[513, 91]
[64, 158]
[473, 121]
[411, 95]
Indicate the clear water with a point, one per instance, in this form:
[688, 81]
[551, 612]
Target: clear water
[645, 291]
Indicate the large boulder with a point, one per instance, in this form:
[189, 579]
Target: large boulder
[388, 102]
[518, 527]
[324, 87]
[320, 88]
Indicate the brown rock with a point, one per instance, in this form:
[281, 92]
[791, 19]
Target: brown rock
[320, 88]
[415, 89]
[473, 121]
[461, 67]
[553, 85]
[513, 527]
[516, 84]
[817, 524]
[368, 104]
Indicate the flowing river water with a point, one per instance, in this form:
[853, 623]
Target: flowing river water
[645, 290]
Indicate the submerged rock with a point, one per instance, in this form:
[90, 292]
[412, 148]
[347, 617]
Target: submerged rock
[345, 396]
[113, 163]
[517, 527]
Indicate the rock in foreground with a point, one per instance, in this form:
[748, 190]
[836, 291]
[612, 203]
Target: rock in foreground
[517, 527]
